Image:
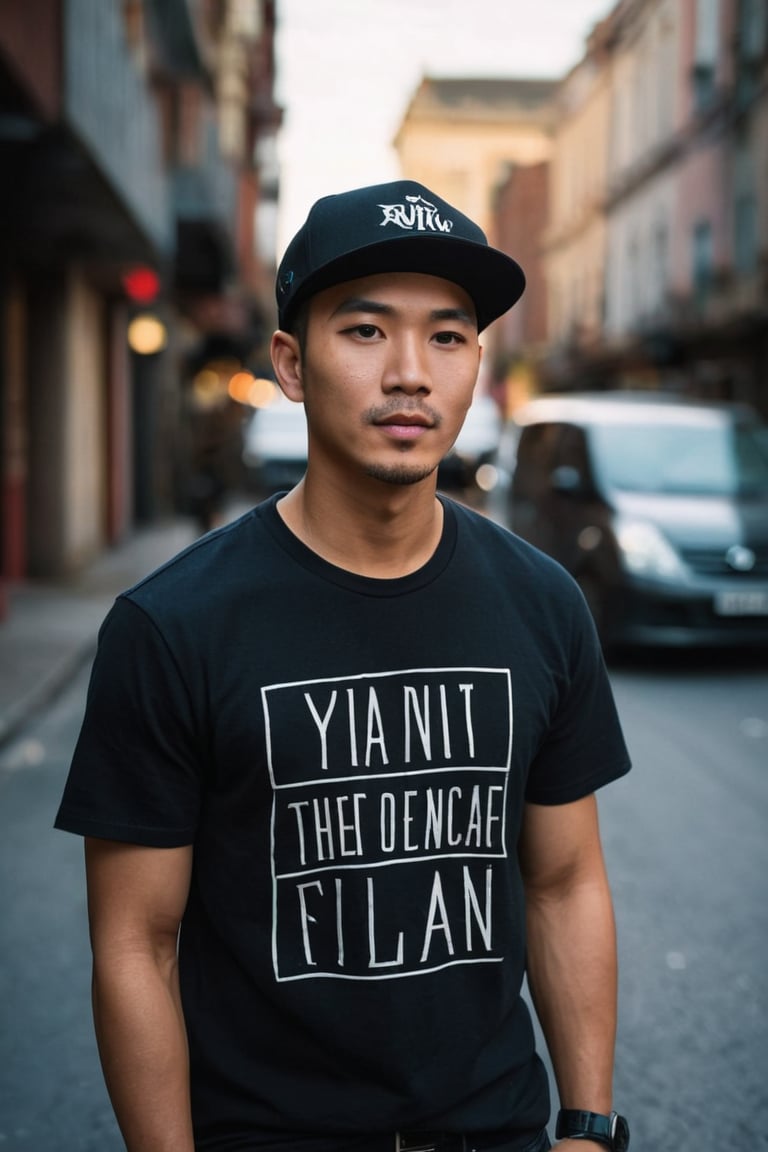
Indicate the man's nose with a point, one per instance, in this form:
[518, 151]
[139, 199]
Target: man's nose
[407, 366]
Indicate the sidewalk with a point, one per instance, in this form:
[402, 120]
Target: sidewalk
[51, 629]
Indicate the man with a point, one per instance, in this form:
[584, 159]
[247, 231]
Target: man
[345, 751]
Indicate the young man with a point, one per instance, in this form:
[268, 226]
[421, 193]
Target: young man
[344, 753]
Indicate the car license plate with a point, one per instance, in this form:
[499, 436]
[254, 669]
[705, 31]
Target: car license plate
[744, 602]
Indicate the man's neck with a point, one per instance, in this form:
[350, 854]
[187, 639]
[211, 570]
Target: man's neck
[382, 531]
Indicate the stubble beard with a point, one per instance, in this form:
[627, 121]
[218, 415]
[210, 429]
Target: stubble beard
[401, 473]
[398, 474]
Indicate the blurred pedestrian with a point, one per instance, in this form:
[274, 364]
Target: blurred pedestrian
[320, 855]
[213, 466]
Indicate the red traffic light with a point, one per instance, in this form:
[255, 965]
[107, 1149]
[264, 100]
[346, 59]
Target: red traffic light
[141, 284]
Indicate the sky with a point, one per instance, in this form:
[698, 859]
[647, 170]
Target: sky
[347, 69]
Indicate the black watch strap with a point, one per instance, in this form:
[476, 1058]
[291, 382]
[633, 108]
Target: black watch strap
[575, 1124]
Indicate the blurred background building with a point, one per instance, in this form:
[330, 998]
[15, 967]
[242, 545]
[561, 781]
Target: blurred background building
[137, 189]
[678, 92]
[459, 136]
[137, 237]
[486, 145]
[634, 190]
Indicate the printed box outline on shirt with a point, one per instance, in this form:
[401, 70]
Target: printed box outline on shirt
[326, 781]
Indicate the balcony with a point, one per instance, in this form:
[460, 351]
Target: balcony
[205, 206]
[207, 189]
[109, 106]
[81, 151]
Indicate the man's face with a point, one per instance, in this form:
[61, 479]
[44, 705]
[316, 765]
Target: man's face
[388, 371]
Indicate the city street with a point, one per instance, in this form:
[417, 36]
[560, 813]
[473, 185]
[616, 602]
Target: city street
[686, 841]
[517, 251]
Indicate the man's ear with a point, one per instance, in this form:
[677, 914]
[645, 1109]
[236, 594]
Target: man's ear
[286, 361]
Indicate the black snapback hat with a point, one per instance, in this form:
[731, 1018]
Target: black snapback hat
[396, 227]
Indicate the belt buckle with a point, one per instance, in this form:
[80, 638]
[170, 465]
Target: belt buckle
[415, 1142]
[430, 1142]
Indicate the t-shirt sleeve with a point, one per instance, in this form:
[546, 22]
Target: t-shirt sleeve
[136, 771]
[584, 747]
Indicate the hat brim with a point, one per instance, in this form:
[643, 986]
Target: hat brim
[493, 280]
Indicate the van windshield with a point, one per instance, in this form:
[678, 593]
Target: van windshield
[706, 459]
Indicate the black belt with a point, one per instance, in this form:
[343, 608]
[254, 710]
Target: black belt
[459, 1142]
[430, 1142]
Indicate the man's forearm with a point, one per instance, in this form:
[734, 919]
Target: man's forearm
[143, 1049]
[572, 976]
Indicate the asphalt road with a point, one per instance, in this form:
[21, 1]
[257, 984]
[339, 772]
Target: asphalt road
[685, 836]
[686, 842]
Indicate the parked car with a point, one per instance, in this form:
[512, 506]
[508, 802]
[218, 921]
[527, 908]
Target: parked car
[474, 447]
[657, 506]
[275, 446]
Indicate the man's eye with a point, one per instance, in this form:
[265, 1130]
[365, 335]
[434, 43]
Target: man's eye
[449, 338]
[367, 331]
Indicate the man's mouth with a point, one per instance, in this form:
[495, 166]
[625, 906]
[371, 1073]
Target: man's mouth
[405, 419]
[404, 425]
[403, 422]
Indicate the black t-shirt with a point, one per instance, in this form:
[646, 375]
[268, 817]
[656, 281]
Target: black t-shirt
[350, 758]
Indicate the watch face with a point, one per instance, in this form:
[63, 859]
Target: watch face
[620, 1134]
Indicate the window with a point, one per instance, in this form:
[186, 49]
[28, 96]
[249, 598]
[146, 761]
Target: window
[744, 210]
[707, 20]
[705, 52]
[745, 233]
[702, 260]
[571, 453]
[752, 29]
[660, 257]
[666, 73]
[677, 458]
[634, 281]
[535, 455]
[752, 34]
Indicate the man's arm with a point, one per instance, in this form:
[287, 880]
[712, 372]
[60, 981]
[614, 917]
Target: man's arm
[136, 898]
[572, 971]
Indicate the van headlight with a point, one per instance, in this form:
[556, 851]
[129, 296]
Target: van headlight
[645, 551]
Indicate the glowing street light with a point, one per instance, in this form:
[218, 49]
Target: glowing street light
[147, 334]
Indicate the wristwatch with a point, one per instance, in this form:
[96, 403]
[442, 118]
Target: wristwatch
[612, 1131]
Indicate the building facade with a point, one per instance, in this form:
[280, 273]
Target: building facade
[129, 138]
[682, 146]
[461, 136]
[518, 339]
[484, 145]
[634, 190]
[574, 240]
